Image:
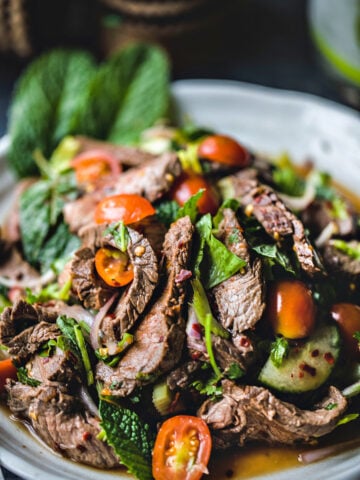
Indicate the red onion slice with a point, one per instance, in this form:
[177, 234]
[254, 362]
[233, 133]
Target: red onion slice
[95, 327]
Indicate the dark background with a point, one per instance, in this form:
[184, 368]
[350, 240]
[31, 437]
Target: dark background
[265, 42]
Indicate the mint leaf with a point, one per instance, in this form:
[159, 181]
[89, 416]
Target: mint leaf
[190, 207]
[24, 378]
[131, 439]
[234, 372]
[46, 104]
[275, 255]
[129, 93]
[215, 261]
[279, 351]
[288, 181]
[167, 212]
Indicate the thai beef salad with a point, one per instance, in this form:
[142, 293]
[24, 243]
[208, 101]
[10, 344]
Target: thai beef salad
[178, 297]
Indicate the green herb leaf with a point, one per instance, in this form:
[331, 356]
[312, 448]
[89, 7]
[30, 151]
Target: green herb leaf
[46, 104]
[189, 159]
[51, 292]
[286, 178]
[331, 406]
[352, 250]
[357, 336]
[348, 418]
[129, 93]
[120, 234]
[234, 372]
[203, 310]
[275, 255]
[66, 326]
[208, 344]
[4, 302]
[190, 207]
[215, 261]
[79, 337]
[131, 439]
[279, 351]
[23, 377]
[167, 212]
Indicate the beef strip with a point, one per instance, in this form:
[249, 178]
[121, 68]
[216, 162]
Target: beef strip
[62, 422]
[134, 297]
[249, 413]
[125, 155]
[159, 339]
[13, 267]
[240, 299]
[339, 262]
[87, 285]
[183, 376]
[151, 180]
[24, 328]
[278, 221]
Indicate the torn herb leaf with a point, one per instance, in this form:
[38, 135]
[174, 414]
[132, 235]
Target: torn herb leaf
[190, 207]
[167, 212]
[131, 438]
[23, 377]
[234, 372]
[279, 351]
[120, 234]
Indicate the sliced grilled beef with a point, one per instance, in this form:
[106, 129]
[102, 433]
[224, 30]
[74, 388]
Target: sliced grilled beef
[241, 298]
[249, 413]
[339, 262]
[24, 328]
[134, 298]
[125, 155]
[182, 376]
[152, 180]
[159, 339]
[279, 222]
[62, 422]
[13, 267]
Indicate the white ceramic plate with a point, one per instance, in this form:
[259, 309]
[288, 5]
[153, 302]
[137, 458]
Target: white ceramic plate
[267, 120]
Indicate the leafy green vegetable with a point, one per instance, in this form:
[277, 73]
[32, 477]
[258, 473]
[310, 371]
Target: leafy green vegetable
[279, 351]
[357, 336]
[339, 208]
[167, 212]
[234, 372]
[131, 439]
[45, 237]
[191, 133]
[190, 207]
[46, 105]
[352, 251]
[286, 178]
[66, 326]
[203, 310]
[189, 159]
[79, 337]
[275, 256]
[120, 234]
[208, 344]
[209, 387]
[51, 292]
[23, 377]
[331, 406]
[129, 93]
[215, 261]
[348, 418]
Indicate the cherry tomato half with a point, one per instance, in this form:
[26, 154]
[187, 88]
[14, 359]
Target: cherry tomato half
[189, 184]
[347, 316]
[94, 164]
[291, 309]
[126, 207]
[114, 267]
[224, 149]
[7, 370]
[182, 449]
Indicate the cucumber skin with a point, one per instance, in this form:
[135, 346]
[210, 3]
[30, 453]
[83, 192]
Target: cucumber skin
[287, 378]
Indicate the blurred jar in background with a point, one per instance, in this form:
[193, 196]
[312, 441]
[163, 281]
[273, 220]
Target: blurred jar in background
[335, 29]
[188, 29]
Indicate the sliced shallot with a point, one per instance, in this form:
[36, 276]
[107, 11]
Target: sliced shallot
[94, 333]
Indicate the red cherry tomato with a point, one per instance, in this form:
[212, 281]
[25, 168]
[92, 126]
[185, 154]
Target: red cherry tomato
[347, 316]
[182, 449]
[113, 267]
[291, 309]
[126, 207]
[224, 149]
[189, 184]
[94, 164]
[7, 370]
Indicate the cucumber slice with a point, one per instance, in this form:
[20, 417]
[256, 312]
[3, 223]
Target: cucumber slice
[307, 366]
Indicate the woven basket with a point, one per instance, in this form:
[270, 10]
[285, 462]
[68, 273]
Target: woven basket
[14, 28]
